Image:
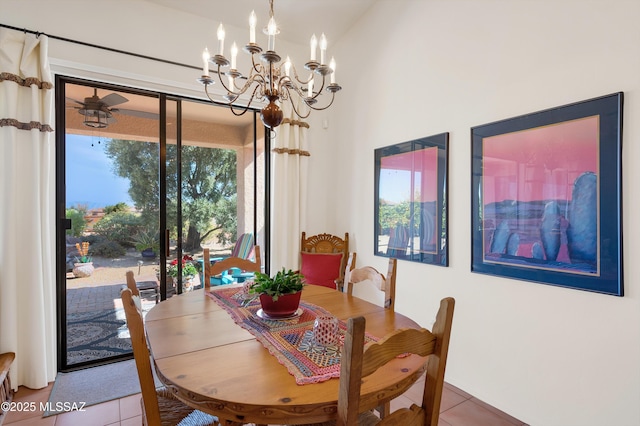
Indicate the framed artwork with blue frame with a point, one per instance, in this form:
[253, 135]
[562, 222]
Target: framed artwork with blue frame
[411, 200]
[546, 196]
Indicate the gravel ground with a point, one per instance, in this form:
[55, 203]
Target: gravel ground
[112, 271]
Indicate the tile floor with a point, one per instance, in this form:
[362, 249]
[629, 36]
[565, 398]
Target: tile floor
[458, 409]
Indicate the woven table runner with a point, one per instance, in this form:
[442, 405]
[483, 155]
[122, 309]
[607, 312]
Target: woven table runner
[291, 340]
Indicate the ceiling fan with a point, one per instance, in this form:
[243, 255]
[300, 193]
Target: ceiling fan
[98, 112]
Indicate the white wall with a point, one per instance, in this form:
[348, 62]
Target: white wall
[135, 26]
[544, 354]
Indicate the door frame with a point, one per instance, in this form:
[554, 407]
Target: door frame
[60, 185]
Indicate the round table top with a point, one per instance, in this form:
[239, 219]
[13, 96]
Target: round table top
[216, 366]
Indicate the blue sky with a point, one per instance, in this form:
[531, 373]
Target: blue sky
[395, 185]
[90, 178]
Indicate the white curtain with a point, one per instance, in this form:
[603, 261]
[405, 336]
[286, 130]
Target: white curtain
[27, 201]
[289, 189]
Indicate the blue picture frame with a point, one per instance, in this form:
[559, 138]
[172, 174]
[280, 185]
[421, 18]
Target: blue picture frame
[410, 187]
[546, 196]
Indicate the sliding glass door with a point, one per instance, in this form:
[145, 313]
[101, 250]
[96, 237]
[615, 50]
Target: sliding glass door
[145, 182]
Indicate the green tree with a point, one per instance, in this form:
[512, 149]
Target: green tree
[120, 207]
[209, 188]
[78, 223]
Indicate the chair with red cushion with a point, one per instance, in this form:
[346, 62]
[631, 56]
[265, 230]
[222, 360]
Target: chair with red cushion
[323, 259]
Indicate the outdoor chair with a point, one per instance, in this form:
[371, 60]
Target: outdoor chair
[323, 259]
[242, 249]
[230, 266]
[159, 406]
[359, 361]
[142, 286]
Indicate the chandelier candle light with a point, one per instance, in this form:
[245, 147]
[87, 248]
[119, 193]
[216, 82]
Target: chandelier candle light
[269, 80]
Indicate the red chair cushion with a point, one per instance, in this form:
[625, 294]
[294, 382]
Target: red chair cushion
[321, 268]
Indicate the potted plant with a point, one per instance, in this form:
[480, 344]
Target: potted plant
[280, 294]
[147, 243]
[83, 263]
[189, 271]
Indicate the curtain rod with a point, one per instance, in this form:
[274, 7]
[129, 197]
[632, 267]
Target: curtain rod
[82, 43]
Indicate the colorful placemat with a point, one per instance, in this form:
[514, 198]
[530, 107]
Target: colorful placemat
[290, 341]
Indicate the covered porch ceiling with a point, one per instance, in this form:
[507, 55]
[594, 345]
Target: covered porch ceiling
[136, 117]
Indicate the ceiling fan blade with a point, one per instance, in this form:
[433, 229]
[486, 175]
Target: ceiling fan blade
[135, 113]
[73, 100]
[111, 120]
[113, 99]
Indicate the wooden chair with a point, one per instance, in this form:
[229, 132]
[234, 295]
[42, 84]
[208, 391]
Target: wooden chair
[350, 266]
[386, 285]
[230, 262]
[6, 392]
[159, 406]
[324, 244]
[359, 361]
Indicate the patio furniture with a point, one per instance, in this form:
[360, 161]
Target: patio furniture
[235, 268]
[243, 249]
[142, 287]
[159, 406]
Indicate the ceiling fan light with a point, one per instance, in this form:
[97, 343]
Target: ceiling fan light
[95, 119]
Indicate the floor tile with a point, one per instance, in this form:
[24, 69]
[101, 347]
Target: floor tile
[498, 412]
[96, 415]
[133, 421]
[34, 421]
[415, 392]
[130, 406]
[458, 408]
[37, 397]
[442, 422]
[450, 399]
[469, 413]
[400, 402]
[458, 390]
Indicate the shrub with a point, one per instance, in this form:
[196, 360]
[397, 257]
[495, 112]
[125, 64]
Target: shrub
[108, 249]
[119, 227]
[78, 224]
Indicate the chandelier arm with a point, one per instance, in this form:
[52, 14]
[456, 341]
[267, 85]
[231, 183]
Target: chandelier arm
[206, 91]
[297, 90]
[295, 74]
[256, 66]
[240, 90]
[333, 96]
[247, 85]
[320, 89]
[222, 82]
[245, 108]
[293, 105]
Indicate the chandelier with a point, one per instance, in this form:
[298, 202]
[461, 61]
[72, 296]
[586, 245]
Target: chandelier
[269, 80]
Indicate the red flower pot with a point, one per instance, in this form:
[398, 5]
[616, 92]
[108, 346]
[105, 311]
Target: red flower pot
[286, 305]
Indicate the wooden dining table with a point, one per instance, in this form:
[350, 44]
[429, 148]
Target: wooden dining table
[214, 365]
